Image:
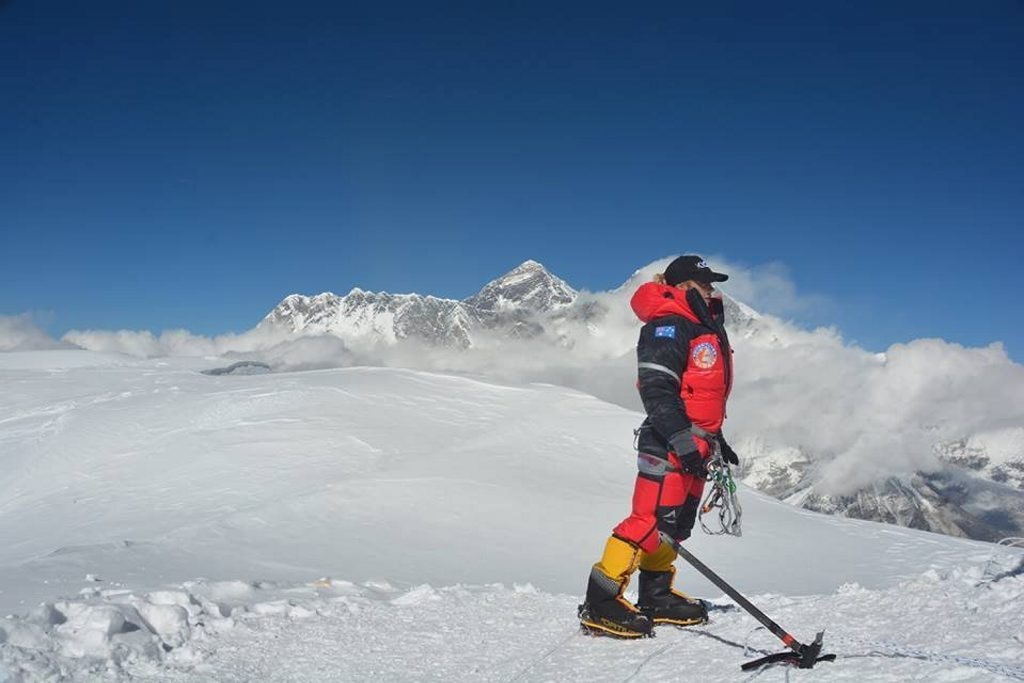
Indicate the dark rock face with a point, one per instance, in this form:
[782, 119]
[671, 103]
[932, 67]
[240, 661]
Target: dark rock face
[952, 501]
[245, 367]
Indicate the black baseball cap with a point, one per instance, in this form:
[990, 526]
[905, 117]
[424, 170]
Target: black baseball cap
[691, 267]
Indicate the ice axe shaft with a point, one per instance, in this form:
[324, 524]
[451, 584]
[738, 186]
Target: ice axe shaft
[805, 656]
[751, 609]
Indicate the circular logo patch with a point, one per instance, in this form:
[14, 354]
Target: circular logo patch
[704, 355]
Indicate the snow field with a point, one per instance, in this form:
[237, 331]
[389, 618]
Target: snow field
[122, 481]
[925, 629]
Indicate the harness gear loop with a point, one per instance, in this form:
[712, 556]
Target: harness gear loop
[722, 496]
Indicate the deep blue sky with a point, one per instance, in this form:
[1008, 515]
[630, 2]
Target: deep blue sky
[187, 164]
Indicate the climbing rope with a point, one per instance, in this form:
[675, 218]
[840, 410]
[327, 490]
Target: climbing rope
[877, 648]
[555, 648]
[883, 648]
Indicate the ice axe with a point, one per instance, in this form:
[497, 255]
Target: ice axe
[803, 655]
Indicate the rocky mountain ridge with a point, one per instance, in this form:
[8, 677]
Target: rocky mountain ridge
[966, 497]
[511, 301]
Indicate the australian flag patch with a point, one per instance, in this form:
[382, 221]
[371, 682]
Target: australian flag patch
[665, 331]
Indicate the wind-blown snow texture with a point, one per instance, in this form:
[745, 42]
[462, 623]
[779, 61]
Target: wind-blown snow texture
[157, 522]
[339, 631]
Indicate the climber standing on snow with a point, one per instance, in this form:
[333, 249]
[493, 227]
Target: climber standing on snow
[684, 378]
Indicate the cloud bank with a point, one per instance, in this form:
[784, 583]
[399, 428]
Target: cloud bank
[170, 343]
[20, 333]
[858, 416]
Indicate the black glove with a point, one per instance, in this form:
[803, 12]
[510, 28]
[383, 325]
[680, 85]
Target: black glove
[689, 456]
[728, 454]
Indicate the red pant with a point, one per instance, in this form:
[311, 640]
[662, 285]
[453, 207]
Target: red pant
[663, 501]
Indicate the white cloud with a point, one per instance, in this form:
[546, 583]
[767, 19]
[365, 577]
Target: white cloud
[178, 343]
[306, 353]
[768, 288]
[20, 333]
[862, 416]
[867, 416]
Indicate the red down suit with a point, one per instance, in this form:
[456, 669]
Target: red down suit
[684, 377]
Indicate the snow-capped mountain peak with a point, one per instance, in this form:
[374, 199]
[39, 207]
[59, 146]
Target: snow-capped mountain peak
[529, 286]
[361, 317]
[297, 313]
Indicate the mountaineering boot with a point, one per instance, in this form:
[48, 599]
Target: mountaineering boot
[605, 611]
[668, 606]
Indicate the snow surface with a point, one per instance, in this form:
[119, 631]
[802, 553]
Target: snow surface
[159, 523]
[862, 422]
[335, 630]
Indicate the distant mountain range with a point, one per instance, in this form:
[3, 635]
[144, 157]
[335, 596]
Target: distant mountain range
[973, 498]
[512, 302]
[973, 495]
